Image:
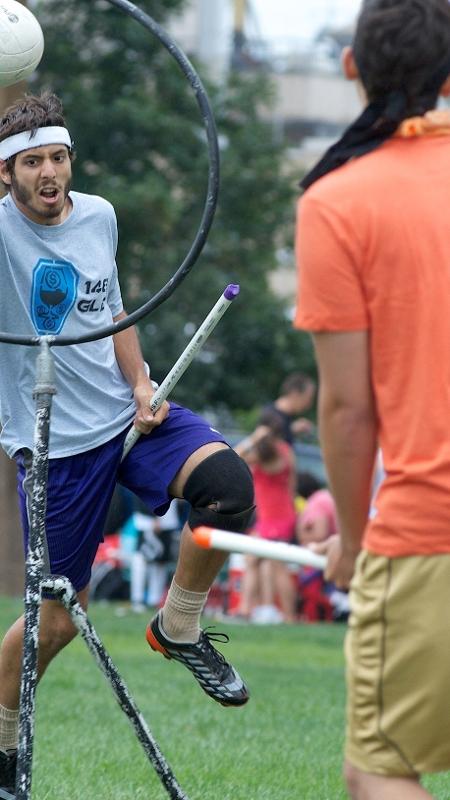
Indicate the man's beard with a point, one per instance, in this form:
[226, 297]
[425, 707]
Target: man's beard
[25, 197]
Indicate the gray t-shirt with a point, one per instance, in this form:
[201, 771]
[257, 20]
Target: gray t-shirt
[61, 279]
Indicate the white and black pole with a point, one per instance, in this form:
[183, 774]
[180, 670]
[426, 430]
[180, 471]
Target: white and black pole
[62, 590]
[35, 564]
[188, 354]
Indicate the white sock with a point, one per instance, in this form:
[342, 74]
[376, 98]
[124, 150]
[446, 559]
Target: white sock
[181, 614]
[9, 728]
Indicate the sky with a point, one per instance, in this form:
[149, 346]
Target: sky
[301, 19]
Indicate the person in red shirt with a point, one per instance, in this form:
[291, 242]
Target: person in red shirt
[373, 256]
[272, 462]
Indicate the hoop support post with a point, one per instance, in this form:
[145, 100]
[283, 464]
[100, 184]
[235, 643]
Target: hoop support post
[63, 591]
[36, 563]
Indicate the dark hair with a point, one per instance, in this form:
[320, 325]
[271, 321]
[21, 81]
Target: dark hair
[399, 45]
[296, 382]
[307, 484]
[30, 113]
[266, 448]
[402, 51]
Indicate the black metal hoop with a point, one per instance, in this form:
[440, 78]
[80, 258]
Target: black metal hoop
[209, 206]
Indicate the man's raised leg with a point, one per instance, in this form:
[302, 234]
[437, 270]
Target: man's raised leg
[175, 631]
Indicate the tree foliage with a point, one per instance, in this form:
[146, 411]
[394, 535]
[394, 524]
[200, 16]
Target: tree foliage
[140, 143]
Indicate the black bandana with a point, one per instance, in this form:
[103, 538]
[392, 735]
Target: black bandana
[378, 122]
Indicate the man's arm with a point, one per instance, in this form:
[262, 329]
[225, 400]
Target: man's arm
[348, 434]
[246, 447]
[130, 360]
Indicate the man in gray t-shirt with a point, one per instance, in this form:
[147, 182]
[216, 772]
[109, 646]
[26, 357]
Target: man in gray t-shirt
[58, 270]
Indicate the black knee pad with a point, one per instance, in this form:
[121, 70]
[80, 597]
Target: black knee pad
[220, 492]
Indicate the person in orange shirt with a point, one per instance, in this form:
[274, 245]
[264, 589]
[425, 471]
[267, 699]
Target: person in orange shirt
[373, 254]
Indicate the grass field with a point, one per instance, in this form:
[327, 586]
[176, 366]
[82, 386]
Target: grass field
[284, 745]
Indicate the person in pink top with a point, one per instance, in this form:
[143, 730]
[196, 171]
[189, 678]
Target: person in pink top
[272, 462]
[316, 523]
[318, 520]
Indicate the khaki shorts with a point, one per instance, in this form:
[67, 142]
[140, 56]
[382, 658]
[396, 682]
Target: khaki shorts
[398, 665]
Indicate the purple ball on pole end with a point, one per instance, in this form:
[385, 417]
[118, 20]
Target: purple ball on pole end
[231, 291]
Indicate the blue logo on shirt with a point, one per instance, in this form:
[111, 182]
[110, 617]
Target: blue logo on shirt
[53, 294]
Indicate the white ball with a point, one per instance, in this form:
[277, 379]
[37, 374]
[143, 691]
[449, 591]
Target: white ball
[21, 42]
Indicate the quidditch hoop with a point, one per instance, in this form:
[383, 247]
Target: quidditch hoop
[210, 203]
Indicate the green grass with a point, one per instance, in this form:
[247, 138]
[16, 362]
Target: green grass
[285, 744]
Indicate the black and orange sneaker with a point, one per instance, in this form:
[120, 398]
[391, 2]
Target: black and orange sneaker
[8, 764]
[215, 675]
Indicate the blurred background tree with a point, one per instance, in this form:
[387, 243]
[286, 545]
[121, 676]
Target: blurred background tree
[141, 144]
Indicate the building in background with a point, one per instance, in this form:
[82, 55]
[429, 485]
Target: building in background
[313, 101]
[204, 30]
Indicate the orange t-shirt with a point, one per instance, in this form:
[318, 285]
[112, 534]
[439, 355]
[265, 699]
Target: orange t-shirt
[373, 250]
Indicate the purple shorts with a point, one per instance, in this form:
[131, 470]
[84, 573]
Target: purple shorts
[80, 487]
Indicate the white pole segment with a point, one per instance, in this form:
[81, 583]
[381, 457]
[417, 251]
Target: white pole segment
[253, 545]
[191, 350]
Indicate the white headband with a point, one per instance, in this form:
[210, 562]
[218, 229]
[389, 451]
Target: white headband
[27, 140]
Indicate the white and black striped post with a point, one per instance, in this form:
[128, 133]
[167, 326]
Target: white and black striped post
[35, 565]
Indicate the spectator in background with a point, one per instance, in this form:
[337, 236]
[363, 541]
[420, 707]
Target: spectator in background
[151, 561]
[315, 523]
[109, 574]
[318, 520]
[272, 463]
[120, 508]
[296, 397]
[144, 563]
[307, 484]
